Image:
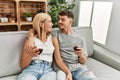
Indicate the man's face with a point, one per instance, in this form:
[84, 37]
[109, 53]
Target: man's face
[64, 22]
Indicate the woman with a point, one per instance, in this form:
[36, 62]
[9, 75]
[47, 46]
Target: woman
[36, 65]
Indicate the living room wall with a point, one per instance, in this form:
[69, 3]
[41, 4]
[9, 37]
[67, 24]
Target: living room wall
[113, 37]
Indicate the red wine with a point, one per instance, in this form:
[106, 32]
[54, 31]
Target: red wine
[40, 50]
[75, 48]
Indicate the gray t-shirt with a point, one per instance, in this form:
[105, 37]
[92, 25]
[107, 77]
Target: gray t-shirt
[66, 43]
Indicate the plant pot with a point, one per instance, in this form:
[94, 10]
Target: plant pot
[29, 19]
[12, 20]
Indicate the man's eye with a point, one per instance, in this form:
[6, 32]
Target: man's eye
[63, 19]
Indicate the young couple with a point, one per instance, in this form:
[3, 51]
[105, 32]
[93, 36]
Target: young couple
[41, 46]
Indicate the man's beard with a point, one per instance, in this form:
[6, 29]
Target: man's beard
[61, 28]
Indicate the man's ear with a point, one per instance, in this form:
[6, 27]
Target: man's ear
[71, 20]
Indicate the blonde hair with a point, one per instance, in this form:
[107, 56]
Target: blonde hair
[38, 23]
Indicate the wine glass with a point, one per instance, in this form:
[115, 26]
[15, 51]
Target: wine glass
[75, 46]
[40, 51]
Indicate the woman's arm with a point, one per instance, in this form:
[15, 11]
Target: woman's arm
[29, 43]
[27, 56]
[59, 60]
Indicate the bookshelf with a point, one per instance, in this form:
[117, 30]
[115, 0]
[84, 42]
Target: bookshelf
[13, 13]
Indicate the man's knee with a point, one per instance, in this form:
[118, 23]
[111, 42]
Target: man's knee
[87, 75]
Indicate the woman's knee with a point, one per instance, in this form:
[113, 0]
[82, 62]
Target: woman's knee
[26, 77]
[60, 75]
[49, 76]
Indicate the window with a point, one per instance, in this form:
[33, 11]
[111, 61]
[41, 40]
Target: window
[85, 11]
[98, 17]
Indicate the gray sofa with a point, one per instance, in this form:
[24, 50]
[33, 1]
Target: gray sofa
[103, 62]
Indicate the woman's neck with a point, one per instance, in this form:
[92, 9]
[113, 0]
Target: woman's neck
[44, 37]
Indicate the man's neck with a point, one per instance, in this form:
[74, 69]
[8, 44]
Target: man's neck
[67, 31]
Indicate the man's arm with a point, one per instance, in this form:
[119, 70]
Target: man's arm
[59, 60]
[31, 33]
[29, 42]
[82, 52]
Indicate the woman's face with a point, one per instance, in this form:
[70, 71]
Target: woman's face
[48, 25]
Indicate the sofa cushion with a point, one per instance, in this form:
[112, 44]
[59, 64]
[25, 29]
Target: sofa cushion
[102, 71]
[106, 56]
[86, 32]
[11, 77]
[10, 52]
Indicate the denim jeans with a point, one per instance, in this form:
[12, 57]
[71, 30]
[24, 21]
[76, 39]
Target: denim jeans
[81, 74]
[60, 75]
[38, 71]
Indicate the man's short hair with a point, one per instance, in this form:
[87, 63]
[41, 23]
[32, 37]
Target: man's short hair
[67, 13]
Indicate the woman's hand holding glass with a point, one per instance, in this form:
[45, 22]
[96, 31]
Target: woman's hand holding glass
[34, 51]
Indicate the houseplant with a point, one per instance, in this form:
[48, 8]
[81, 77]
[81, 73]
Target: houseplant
[29, 16]
[56, 6]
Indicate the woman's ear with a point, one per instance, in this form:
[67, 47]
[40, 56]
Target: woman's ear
[41, 24]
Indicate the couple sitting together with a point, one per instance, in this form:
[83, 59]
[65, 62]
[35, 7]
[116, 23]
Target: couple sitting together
[54, 55]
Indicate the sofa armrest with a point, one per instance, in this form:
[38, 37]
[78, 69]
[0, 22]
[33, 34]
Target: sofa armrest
[106, 56]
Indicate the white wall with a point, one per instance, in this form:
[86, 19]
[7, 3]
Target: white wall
[113, 37]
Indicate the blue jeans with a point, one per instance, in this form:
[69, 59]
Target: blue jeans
[60, 75]
[81, 74]
[38, 71]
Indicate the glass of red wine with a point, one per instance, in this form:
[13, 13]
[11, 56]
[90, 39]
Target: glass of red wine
[40, 50]
[76, 48]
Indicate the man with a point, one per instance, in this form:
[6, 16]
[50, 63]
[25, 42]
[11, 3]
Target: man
[72, 48]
